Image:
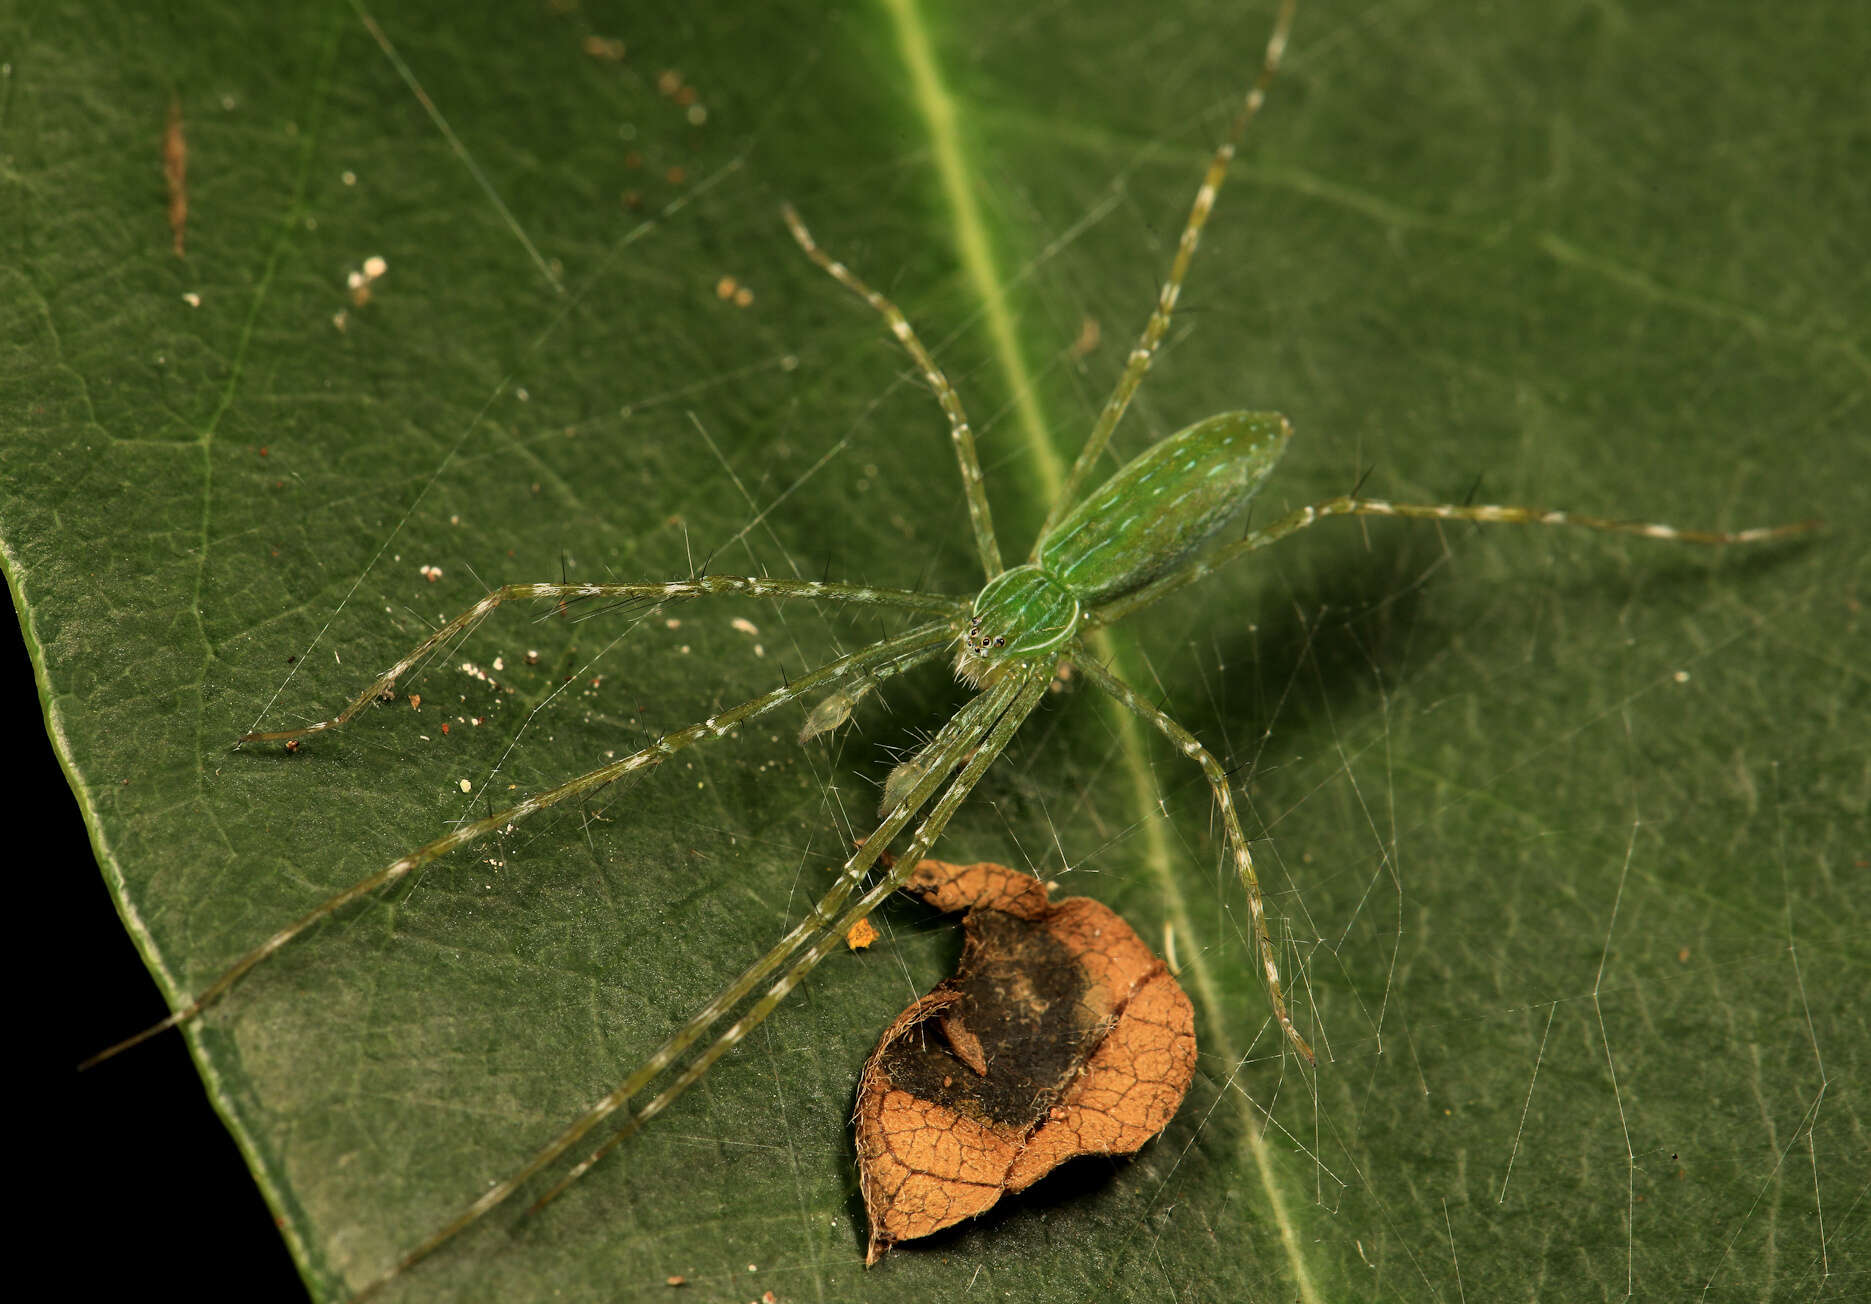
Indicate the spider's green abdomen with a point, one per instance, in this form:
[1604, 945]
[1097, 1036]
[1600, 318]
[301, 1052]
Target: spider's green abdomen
[1141, 523]
[1163, 505]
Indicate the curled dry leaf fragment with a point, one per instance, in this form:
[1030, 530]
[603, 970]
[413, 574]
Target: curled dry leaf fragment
[1060, 1035]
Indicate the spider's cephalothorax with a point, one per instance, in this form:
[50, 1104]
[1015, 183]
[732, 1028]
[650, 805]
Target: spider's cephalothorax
[1022, 617]
[1139, 525]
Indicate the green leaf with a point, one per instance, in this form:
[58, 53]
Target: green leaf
[1566, 834]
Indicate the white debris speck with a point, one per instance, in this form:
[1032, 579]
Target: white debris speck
[430, 573]
[466, 786]
[1681, 676]
[192, 299]
[500, 663]
[375, 266]
[348, 177]
[672, 623]
[759, 651]
[745, 625]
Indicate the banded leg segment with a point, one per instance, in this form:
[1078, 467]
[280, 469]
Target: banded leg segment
[1217, 777]
[1484, 514]
[959, 430]
[1158, 325]
[1029, 695]
[982, 716]
[752, 586]
[879, 661]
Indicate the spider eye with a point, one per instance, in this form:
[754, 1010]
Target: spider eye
[1000, 642]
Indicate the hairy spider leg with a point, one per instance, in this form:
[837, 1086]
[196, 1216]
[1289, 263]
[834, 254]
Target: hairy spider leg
[1481, 514]
[1158, 325]
[960, 432]
[1025, 693]
[1119, 608]
[753, 586]
[982, 727]
[877, 661]
[1137, 366]
[1186, 743]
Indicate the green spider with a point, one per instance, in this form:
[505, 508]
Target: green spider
[1141, 535]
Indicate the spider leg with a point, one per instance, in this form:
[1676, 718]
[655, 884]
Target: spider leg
[1029, 694]
[1187, 744]
[959, 430]
[879, 660]
[972, 739]
[1158, 325]
[1482, 514]
[753, 586]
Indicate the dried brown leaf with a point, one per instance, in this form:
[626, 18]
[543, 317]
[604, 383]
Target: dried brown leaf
[1060, 1035]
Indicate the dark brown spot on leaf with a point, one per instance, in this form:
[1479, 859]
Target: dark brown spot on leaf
[1060, 1035]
